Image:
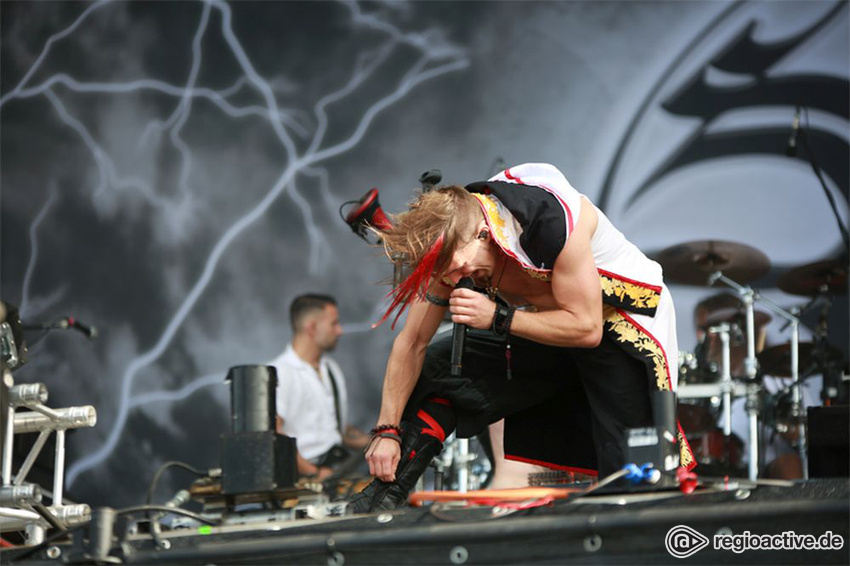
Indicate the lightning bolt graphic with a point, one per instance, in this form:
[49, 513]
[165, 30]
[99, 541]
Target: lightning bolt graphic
[436, 58]
[25, 309]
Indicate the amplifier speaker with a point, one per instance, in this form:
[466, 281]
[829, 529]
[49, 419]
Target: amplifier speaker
[829, 441]
[257, 462]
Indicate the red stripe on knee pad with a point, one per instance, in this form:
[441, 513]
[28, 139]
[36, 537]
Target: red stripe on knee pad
[436, 430]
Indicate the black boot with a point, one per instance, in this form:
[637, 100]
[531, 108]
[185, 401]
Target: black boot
[417, 451]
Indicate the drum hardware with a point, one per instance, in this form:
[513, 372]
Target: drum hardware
[458, 468]
[749, 296]
[812, 356]
[731, 264]
[712, 447]
[820, 281]
[827, 277]
[723, 331]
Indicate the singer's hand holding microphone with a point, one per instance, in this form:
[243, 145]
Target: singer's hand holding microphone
[471, 308]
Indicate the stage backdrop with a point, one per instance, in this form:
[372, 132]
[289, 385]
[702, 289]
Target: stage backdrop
[172, 173]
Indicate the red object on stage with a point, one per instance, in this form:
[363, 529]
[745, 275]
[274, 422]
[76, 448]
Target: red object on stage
[368, 212]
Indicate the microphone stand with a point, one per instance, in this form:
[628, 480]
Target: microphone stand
[819, 174]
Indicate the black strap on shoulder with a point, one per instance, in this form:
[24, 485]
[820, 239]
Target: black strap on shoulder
[336, 400]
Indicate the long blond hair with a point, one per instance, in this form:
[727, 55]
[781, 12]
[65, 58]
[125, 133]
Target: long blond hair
[425, 237]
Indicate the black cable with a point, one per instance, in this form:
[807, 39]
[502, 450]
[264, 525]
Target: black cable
[154, 520]
[816, 168]
[166, 509]
[161, 470]
[621, 473]
[343, 205]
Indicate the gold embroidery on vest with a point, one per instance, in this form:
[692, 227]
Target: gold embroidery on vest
[627, 333]
[629, 294]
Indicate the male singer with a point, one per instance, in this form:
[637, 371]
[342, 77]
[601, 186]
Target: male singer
[583, 333]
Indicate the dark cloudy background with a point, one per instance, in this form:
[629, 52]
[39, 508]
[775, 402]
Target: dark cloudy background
[171, 172]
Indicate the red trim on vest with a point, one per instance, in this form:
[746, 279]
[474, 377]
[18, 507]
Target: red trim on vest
[440, 401]
[656, 288]
[552, 466]
[436, 430]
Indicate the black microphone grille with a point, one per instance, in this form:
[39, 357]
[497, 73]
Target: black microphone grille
[465, 283]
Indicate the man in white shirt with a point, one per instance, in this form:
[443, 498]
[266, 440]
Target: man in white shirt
[311, 393]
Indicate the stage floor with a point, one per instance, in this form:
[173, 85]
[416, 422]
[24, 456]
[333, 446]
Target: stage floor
[611, 529]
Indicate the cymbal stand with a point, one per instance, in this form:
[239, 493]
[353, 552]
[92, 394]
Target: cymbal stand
[725, 375]
[463, 460]
[796, 395]
[831, 378]
[750, 368]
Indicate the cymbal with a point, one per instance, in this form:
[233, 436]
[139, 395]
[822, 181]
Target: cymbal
[776, 360]
[829, 276]
[693, 262]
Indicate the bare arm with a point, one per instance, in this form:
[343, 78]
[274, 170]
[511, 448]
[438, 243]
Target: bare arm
[575, 318]
[405, 363]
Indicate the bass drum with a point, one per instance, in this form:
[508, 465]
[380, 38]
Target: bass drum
[717, 454]
[694, 371]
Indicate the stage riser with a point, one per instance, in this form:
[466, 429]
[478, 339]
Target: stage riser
[566, 533]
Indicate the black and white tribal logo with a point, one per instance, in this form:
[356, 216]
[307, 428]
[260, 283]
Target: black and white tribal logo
[730, 94]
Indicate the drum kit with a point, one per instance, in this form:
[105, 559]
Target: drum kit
[730, 359]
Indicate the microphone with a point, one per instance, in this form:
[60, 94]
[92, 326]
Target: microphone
[791, 148]
[459, 334]
[89, 331]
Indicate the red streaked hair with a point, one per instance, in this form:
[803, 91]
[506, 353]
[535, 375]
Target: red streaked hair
[416, 284]
[424, 239]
